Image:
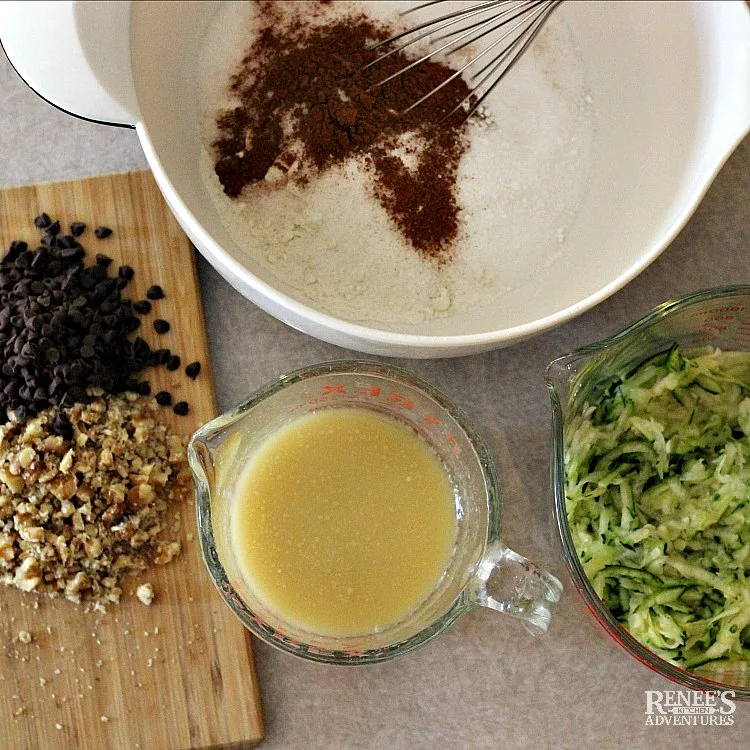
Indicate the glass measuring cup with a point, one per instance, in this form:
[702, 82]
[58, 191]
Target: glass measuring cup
[481, 571]
[711, 318]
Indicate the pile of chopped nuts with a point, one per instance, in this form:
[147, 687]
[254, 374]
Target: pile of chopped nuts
[77, 515]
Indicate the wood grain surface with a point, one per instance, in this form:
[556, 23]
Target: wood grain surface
[178, 673]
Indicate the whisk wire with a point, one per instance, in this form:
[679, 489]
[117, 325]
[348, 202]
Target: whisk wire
[458, 15]
[528, 21]
[434, 52]
[429, 3]
[524, 12]
[527, 41]
[500, 20]
[533, 15]
[469, 64]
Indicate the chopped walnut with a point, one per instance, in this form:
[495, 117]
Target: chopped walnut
[145, 592]
[14, 483]
[27, 575]
[77, 516]
[26, 457]
[166, 551]
[24, 636]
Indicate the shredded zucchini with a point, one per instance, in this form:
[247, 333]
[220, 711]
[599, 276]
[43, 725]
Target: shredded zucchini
[657, 481]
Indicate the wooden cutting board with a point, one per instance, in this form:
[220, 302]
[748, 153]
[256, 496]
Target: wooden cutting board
[178, 673]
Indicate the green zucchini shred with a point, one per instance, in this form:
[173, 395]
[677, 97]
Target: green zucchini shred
[657, 485]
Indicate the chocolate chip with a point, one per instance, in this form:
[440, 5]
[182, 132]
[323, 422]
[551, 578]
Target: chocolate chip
[181, 408]
[65, 326]
[102, 232]
[61, 426]
[16, 248]
[161, 326]
[71, 254]
[193, 369]
[162, 356]
[163, 398]
[155, 292]
[42, 221]
[131, 323]
[67, 241]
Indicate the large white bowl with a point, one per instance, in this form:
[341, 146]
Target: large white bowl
[671, 82]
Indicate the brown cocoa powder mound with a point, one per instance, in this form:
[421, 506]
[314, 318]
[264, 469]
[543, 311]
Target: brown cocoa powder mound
[315, 76]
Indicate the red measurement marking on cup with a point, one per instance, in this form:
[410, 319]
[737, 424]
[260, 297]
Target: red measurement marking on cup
[432, 421]
[716, 310]
[328, 389]
[450, 438]
[372, 391]
[401, 400]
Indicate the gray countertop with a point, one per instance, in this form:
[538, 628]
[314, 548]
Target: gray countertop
[485, 683]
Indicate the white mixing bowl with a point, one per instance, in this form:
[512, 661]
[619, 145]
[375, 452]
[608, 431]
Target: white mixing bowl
[671, 82]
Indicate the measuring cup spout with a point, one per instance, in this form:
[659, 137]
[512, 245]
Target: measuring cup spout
[507, 582]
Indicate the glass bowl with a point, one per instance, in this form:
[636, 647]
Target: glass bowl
[711, 318]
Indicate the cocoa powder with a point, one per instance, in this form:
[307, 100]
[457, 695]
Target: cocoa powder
[306, 86]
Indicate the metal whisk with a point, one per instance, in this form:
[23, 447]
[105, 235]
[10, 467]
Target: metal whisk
[514, 23]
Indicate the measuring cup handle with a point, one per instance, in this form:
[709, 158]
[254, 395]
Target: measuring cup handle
[509, 583]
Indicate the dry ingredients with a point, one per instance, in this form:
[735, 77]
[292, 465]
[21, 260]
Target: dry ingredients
[330, 244]
[77, 515]
[309, 102]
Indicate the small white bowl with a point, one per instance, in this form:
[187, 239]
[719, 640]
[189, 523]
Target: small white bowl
[671, 82]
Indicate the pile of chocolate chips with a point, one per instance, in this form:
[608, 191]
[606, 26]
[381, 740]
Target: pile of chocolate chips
[65, 326]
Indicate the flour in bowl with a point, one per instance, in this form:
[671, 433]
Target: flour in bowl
[491, 209]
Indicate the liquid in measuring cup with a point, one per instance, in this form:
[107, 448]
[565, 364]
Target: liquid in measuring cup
[343, 522]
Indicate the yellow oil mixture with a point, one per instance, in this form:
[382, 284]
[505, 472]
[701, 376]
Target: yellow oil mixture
[344, 522]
